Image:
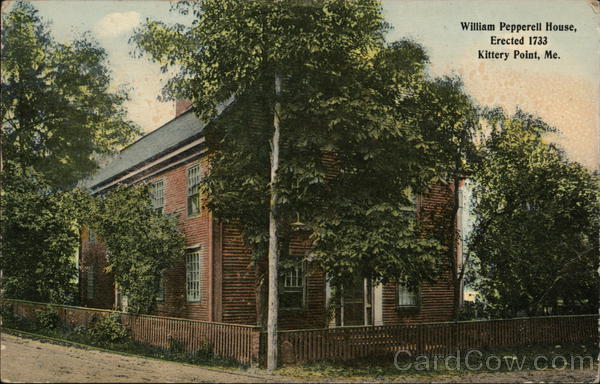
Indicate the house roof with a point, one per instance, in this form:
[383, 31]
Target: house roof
[148, 146]
[166, 138]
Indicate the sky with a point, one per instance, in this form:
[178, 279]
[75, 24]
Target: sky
[564, 92]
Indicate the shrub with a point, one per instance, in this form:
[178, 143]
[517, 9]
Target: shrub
[80, 330]
[7, 317]
[175, 345]
[47, 318]
[205, 352]
[108, 329]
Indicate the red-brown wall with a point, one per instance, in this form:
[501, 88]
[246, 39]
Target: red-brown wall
[231, 274]
[196, 230]
[238, 278]
[313, 315]
[436, 300]
[93, 255]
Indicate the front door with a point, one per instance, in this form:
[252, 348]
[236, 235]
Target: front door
[354, 304]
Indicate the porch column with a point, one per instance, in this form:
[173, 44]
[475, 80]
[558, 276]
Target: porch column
[328, 303]
[378, 304]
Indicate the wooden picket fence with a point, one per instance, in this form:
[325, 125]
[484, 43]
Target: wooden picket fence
[349, 343]
[246, 344]
[231, 341]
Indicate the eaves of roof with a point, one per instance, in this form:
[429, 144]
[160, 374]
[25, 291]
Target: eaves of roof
[170, 136]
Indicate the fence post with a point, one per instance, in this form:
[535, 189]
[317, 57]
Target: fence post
[528, 329]
[456, 335]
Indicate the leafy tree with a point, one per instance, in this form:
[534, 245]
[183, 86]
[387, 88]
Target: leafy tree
[141, 242]
[449, 121]
[365, 221]
[58, 114]
[322, 130]
[40, 237]
[57, 109]
[536, 232]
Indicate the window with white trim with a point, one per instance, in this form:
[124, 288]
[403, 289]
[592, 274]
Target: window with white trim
[121, 300]
[410, 209]
[408, 297]
[291, 291]
[160, 296]
[157, 195]
[193, 275]
[193, 190]
[91, 282]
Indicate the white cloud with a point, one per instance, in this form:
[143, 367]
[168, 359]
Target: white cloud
[116, 23]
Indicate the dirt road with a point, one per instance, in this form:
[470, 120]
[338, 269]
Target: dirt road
[27, 360]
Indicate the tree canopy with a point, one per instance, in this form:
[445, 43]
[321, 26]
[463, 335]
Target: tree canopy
[352, 149]
[58, 109]
[537, 220]
[39, 237]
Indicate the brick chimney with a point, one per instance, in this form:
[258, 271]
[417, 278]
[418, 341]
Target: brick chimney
[181, 106]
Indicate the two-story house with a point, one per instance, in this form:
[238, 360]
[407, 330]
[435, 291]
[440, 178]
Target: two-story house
[215, 280]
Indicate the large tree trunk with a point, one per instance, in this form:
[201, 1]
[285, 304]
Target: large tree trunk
[457, 267]
[273, 238]
[262, 294]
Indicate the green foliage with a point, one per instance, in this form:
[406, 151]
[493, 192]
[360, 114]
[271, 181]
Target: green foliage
[204, 352]
[47, 318]
[473, 310]
[58, 115]
[536, 234]
[141, 242]
[40, 232]
[80, 330]
[57, 109]
[346, 94]
[449, 121]
[7, 316]
[175, 345]
[9, 319]
[108, 329]
[39, 237]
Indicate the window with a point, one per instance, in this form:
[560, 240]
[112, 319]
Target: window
[91, 236]
[354, 303]
[193, 190]
[91, 282]
[410, 209]
[121, 300]
[408, 296]
[291, 291]
[160, 296]
[157, 195]
[192, 275]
